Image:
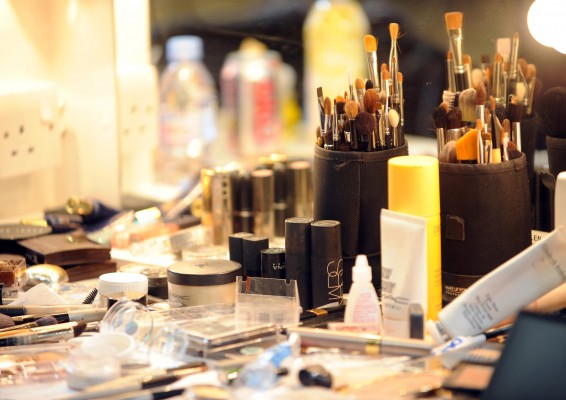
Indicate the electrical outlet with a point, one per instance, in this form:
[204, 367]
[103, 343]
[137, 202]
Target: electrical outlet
[138, 108]
[138, 124]
[30, 136]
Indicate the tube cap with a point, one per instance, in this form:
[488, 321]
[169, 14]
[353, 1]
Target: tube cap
[298, 235]
[115, 282]
[436, 332]
[413, 185]
[326, 239]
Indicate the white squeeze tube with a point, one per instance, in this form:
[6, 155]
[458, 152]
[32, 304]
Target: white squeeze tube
[504, 291]
[404, 273]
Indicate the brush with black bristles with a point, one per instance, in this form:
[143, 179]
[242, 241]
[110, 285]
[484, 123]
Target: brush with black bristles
[515, 112]
[551, 109]
[365, 127]
[439, 115]
[91, 296]
[453, 125]
[370, 44]
[454, 28]
[351, 109]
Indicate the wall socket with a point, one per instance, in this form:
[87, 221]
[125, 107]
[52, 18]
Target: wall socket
[138, 123]
[30, 127]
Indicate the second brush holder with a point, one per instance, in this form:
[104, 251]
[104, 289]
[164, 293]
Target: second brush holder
[351, 187]
[485, 220]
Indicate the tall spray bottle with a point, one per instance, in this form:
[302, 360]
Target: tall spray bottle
[334, 52]
[363, 304]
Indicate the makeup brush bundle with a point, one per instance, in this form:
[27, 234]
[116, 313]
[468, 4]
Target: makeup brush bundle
[369, 117]
[479, 119]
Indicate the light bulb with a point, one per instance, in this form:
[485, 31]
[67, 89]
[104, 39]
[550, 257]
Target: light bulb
[543, 21]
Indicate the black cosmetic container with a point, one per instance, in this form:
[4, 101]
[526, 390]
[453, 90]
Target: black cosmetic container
[251, 251]
[298, 256]
[326, 263]
[273, 263]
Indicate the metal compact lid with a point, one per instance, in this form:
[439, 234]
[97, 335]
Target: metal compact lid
[204, 272]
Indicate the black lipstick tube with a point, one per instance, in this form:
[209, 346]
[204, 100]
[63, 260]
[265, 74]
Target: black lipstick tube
[298, 257]
[326, 263]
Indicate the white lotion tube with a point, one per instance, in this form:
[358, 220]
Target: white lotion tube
[404, 273]
[504, 291]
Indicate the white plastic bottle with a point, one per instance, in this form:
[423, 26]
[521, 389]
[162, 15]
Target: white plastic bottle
[363, 305]
[188, 111]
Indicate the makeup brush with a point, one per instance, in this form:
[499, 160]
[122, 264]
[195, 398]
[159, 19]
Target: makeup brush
[47, 334]
[515, 112]
[394, 124]
[320, 100]
[467, 104]
[370, 105]
[351, 109]
[467, 60]
[43, 321]
[448, 153]
[327, 131]
[506, 128]
[477, 77]
[369, 85]
[552, 111]
[6, 321]
[453, 125]
[365, 127]
[495, 140]
[480, 143]
[340, 103]
[454, 27]
[448, 98]
[401, 107]
[450, 75]
[480, 104]
[394, 58]
[439, 115]
[359, 85]
[467, 147]
[531, 80]
[512, 77]
[370, 44]
[383, 84]
[385, 116]
[350, 86]
[497, 82]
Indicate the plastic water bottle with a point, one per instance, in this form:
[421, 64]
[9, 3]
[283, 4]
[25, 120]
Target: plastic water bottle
[189, 105]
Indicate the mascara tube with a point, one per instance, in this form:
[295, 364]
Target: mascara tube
[326, 263]
[263, 194]
[298, 257]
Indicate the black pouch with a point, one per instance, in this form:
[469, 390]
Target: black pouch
[351, 187]
[485, 220]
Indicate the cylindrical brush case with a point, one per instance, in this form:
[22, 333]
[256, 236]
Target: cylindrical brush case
[351, 187]
[485, 220]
